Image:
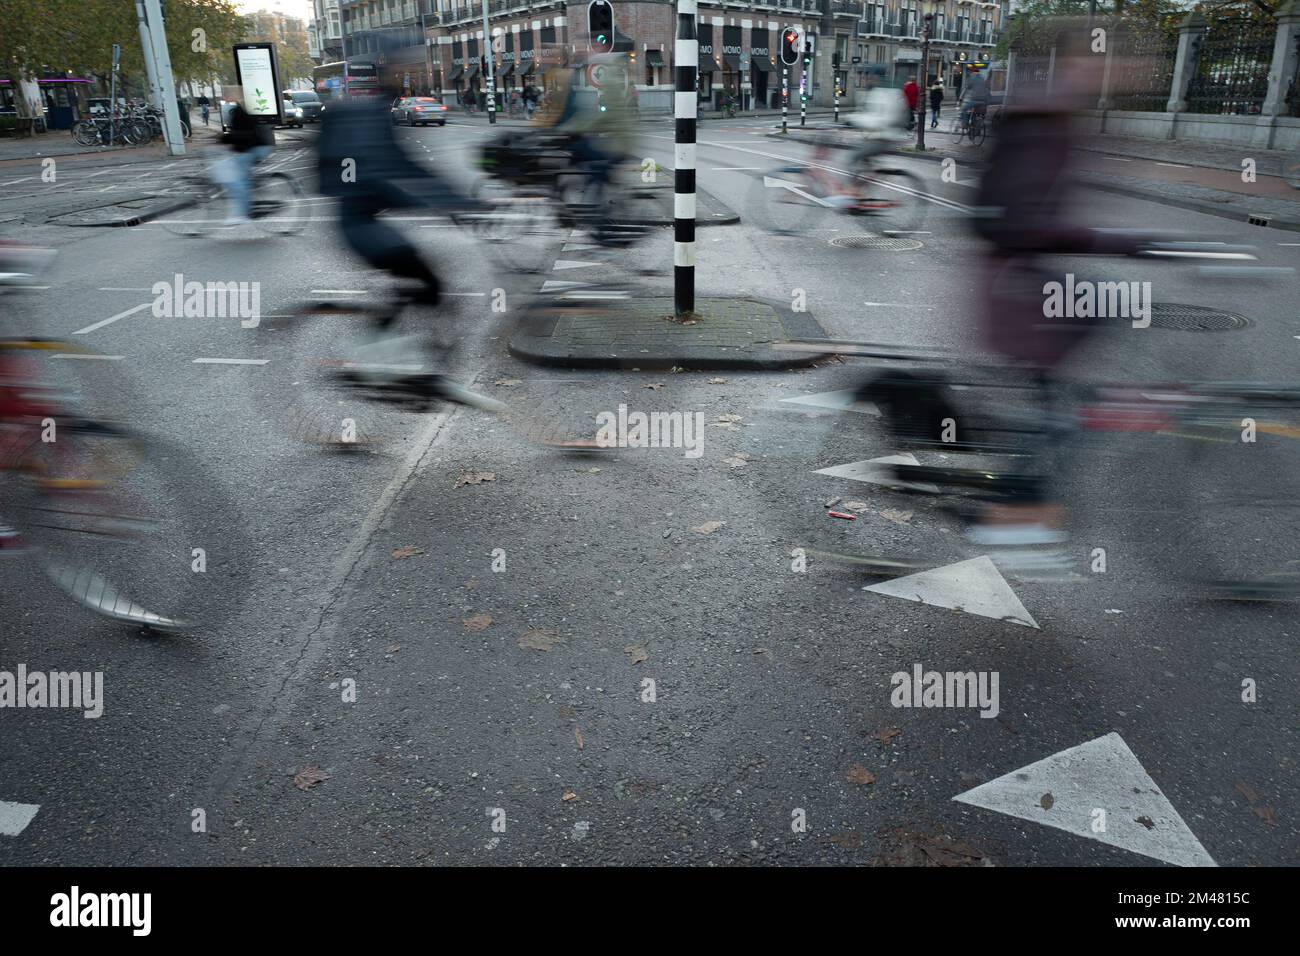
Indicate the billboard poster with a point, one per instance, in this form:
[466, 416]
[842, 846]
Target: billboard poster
[258, 73]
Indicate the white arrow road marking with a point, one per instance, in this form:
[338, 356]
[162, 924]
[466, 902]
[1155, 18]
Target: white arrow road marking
[773, 183]
[111, 319]
[572, 264]
[1102, 774]
[553, 285]
[974, 586]
[842, 400]
[14, 817]
[875, 471]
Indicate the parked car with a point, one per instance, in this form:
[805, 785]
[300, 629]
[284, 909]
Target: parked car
[293, 115]
[419, 111]
[307, 101]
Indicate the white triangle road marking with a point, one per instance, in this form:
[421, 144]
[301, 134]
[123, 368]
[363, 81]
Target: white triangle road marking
[14, 817]
[875, 471]
[1102, 774]
[554, 285]
[842, 400]
[974, 586]
[572, 264]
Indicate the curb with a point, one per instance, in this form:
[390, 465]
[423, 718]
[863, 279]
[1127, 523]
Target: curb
[531, 341]
[1195, 205]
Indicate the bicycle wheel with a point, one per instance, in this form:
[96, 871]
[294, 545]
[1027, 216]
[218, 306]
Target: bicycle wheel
[126, 525]
[977, 131]
[85, 133]
[893, 199]
[277, 204]
[516, 229]
[196, 203]
[786, 202]
[135, 132]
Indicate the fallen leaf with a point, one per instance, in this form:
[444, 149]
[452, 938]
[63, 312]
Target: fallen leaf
[471, 584]
[569, 796]
[1265, 814]
[475, 478]
[308, 777]
[540, 640]
[853, 505]
[708, 527]
[738, 461]
[1047, 801]
[860, 775]
[902, 847]
[656, 386]
[637, 652]
[898, 517]
[1146, 822]
[1247, 791]
[393, 648]
[884, 736]
[409, 551]
[477, 622]
[577, 736]
[717, 381]
[507, 382]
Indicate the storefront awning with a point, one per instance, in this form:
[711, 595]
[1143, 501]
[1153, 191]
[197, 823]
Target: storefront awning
[456, 74]
[530, 68]
[654, 57]
[472, 75]
[731, 62]
[505, 71]
[762, 64]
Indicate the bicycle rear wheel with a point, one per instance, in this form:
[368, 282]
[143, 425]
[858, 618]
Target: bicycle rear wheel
[515, 228]
[978, 130]
[785, 202]
[277, 204]
[197, 204]
[86, 133]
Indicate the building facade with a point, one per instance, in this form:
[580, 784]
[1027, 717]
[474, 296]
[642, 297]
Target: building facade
[325, 32]
[441, 43]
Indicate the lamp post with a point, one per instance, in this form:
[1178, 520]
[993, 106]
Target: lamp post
[923, 93]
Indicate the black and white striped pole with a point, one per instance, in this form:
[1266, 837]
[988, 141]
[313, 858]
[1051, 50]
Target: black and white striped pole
[785, 96]
[686, 64]
[803, 82]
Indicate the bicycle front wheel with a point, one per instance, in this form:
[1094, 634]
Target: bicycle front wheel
[85, 133]
[978, 130]
[196, 202]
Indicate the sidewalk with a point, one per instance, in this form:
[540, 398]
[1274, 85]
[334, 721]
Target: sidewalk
[1202, 177]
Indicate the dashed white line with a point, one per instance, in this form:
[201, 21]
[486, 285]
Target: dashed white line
[1174, 165]
[89, 356]
[111, 319]
[230, 361]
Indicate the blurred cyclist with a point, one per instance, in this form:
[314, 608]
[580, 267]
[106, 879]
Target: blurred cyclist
[250, 143]
[362, 163]
[883, 115]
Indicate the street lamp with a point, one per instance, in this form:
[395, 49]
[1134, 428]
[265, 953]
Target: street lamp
[923, 92]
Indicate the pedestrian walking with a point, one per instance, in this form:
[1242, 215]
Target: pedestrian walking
[913, 94]
[936, 100]
[205, 107]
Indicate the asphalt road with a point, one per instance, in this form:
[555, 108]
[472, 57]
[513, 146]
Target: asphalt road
[771, 689]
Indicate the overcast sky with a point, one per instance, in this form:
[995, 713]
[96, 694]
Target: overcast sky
[292, 8]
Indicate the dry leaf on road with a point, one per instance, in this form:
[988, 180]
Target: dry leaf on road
[475, 478]
[477, 622]
[577, 736]
[884, 736]
[637, 652]
[739, 460]
[898, 517]
[308, 777]
[540, 640]
[409, 551]
[1047, 801]
[708, 527]
[507, 382]
[717, 381]
[569, 796]
[860, 775]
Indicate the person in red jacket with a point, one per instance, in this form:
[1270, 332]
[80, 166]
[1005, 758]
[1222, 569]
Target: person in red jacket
[913, 94]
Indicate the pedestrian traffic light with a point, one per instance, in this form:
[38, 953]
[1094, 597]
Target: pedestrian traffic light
[600, 26]
[835, 60]
[790, 46]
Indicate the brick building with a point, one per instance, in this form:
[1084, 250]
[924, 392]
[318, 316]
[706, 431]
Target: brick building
[442, 42]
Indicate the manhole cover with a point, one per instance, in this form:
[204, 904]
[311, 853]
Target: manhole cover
[876, 242]
[1195, 318]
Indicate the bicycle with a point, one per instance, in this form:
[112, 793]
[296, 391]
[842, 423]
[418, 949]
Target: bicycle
[925, 425]
[122, 129]
[973, 125]
[791, 199]
[276, 204]
[110, 514]
[728, 108]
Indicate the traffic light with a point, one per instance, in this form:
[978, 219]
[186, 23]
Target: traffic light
[600, 26]
[835, 60]
[790, 46]
[809, 43]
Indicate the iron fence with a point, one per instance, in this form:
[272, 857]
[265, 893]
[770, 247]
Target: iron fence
[1142, 66]
[1232, 66]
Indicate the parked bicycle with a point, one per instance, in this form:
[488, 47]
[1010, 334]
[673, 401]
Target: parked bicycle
[120, 129]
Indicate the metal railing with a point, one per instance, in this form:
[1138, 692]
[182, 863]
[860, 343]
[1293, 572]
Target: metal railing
[1232, 66]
